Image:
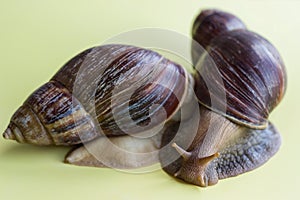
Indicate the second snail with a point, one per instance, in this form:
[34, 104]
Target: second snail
[121, 95]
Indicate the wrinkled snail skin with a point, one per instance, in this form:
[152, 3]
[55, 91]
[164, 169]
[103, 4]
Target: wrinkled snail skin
[219, 150]
[95, 87]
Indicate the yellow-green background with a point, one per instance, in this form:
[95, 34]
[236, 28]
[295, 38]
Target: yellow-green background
[37, 37]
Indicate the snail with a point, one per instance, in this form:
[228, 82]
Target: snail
[248, 81]
[53, 114]
[110, 90]
[134, 98]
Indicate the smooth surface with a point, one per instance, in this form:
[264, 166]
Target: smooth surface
[38, 37]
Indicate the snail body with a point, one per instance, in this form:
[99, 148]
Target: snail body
[220, 149]
[135, 152]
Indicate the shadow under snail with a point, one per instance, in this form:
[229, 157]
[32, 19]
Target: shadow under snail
[130, 91]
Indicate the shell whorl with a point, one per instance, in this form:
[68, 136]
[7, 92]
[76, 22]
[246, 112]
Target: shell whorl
[118, 88]
[210, 24]
[249, 70]
[51, 115]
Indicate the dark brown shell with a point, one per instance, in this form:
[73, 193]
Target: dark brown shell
[250, 72]
[210, 24]
[124, 89]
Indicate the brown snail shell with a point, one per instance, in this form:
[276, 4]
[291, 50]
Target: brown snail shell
[252, 73]
[91, 89]
[248, 67]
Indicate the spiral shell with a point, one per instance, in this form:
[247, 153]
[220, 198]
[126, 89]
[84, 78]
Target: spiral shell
[249, 70]
[111, 90]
